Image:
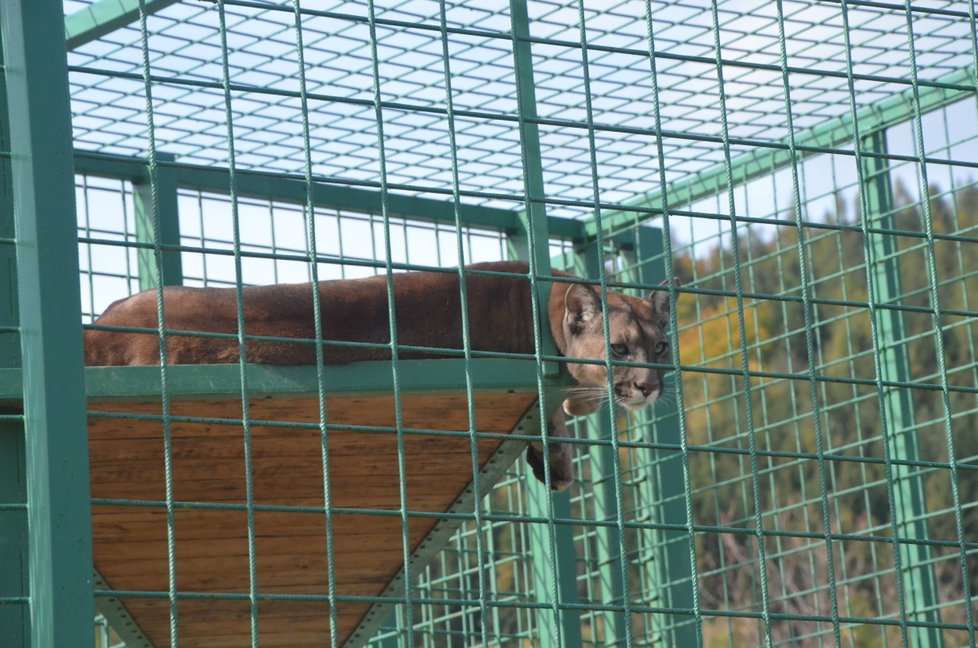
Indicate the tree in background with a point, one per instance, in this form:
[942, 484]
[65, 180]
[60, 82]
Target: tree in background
[789, 487]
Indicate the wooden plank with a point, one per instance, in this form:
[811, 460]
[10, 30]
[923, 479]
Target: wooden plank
[446, 411]
[213, 624]
[290, 546]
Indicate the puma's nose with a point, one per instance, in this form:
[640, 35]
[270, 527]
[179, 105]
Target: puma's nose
[645, 389]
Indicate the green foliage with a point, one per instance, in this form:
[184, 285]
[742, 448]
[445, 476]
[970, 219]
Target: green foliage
[788, 481]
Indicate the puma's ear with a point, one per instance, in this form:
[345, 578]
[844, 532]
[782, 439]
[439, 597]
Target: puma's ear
[660, 302]
[581, 305]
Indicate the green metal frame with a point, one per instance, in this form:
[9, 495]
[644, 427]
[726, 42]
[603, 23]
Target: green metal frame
[9, 339]
[169, 220]
[605, 503]
[831, 137]
[325, 193]
[42, 483]
[15, 619]
[531, 241]
[58, 508]
[670, 566]
[552, 546]
[920, 585]
[14, 588]
[211, 381]
[104, 17]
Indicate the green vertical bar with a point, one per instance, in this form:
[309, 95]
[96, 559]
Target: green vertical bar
[56, 445]
[9, 340]
[562, 554]
[14, 617]
[166, 194]
[565, 557]
[607, 548]
[534, 217]
[671, 568]
[392, 628]
[898, 408]
[542, 559]
[551, 545]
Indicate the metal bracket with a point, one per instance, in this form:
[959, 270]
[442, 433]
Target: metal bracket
[118, 617]
[493, 470]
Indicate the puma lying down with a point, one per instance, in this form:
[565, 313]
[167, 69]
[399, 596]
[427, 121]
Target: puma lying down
[428, 314]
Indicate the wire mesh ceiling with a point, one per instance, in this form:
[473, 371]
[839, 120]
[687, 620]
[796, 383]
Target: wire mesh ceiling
[186, 67]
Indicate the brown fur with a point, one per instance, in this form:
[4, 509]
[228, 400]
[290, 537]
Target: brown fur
[428, 314]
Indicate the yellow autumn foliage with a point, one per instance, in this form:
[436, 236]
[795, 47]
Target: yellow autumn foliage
[714, 340]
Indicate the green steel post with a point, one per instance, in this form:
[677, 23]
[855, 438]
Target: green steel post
[56, 442]
[908, 486]
[552, 546]
[392, 628]
[565, 558]
[542, 559]
[9, 341]
[607, 548]
[14, 617]
[534, 217]
[166, 192]
[670, 569]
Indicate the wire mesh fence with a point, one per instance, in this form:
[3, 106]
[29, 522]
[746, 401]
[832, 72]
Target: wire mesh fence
[805, 170]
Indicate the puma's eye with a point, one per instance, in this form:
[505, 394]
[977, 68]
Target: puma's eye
[660, 347]
[619, 349]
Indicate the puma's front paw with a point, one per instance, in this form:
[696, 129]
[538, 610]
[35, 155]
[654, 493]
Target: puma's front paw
[561, 467]
[581, 407]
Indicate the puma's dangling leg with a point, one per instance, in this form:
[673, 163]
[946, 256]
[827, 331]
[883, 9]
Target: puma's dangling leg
[561, 458]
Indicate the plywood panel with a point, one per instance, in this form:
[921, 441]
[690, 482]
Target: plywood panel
[211, 544]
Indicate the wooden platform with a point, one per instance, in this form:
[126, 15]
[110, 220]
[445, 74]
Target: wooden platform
[290, 567]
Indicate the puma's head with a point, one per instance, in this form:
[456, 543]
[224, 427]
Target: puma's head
[637, 334]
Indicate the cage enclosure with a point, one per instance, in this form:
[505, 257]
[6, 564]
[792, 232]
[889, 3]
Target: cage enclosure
[805, 169]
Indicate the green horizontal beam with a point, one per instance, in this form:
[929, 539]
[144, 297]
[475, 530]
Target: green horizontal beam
[104, 17]
[360, 378]
[292, 189]
[769, 157]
